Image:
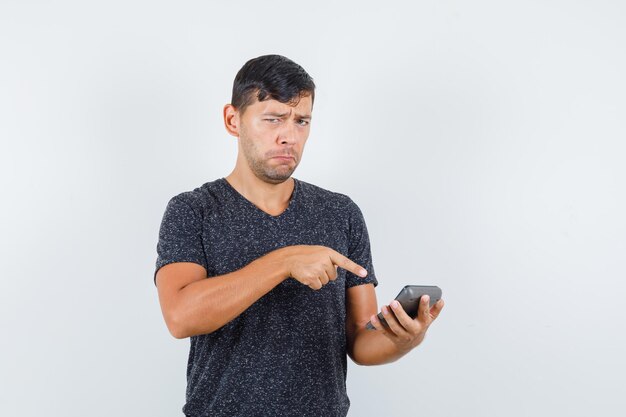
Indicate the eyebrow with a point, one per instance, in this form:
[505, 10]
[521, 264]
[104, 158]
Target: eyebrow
[299, 116]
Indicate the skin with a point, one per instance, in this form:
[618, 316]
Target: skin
[265, 130]
[194, 305]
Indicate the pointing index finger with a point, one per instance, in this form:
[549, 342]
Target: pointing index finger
[347, 264]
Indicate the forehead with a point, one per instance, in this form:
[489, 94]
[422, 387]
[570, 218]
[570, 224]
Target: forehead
[304, 107]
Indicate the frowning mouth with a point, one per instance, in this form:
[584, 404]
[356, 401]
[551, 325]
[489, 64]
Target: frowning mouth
[283, 157]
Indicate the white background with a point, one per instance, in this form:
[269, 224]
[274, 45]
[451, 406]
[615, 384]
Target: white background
[483, 141]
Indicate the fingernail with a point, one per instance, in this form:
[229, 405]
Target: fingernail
[385, 311]
[374, 319]
[395, 303]
[363, 272]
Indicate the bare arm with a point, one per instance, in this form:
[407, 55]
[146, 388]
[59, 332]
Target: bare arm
[386, 344]
[192, 304]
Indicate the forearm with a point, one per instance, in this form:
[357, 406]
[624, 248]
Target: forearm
[371, 347]
[206, 305]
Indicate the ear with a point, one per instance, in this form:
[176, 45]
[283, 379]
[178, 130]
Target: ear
[231, 120]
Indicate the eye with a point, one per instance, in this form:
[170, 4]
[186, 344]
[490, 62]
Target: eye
[303, 122]
[271, 120]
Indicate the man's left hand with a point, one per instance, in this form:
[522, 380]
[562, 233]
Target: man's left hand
[406, 333]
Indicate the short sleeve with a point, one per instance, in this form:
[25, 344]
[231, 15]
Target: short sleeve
[180, 236]
[359, 248]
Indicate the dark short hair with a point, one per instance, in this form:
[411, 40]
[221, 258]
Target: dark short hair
[271, 77]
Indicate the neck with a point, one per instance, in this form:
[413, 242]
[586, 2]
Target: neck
[267, 196]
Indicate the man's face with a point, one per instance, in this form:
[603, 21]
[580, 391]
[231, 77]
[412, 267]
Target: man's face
[270, 130]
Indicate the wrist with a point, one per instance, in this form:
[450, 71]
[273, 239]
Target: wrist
[279, 261]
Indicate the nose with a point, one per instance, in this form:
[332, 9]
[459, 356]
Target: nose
[288, 133]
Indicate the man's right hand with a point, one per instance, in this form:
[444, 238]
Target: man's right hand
[314, 265]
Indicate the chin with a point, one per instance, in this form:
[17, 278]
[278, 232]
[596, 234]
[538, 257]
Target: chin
[277, 179]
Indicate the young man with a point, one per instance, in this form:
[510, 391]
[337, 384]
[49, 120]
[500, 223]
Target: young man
[271, 276]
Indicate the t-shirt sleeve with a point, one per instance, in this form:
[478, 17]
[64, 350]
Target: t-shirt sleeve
[180, 235]
[359, 250]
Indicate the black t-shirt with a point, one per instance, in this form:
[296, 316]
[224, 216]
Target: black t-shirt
[286, 354]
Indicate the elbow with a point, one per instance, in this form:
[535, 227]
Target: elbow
[355, 358]
[179, 328]
[367, 361]
[177, 333]
[176, 326]
[357, 361]
[352, 350]
[180, 332]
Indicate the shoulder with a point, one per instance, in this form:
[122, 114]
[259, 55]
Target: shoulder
[198, 199]
[319, 196]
